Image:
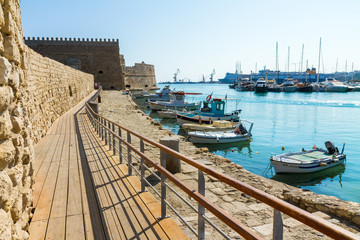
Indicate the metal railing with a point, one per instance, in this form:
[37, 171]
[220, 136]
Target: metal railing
[112, 134]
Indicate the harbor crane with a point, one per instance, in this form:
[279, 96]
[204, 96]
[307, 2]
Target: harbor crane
[175, 75]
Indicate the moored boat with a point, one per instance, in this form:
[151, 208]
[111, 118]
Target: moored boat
[177, 101]
[163, 95]
[213, 109]
[304, 87]
[240, 134]
[288, 85]
[308, 161]
[333, 85]
[215, 126]
[260, 86]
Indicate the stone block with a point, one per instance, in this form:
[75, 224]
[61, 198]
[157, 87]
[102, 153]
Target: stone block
[11, 52]
[9, 25]
[1, 42]
[14, 79]
[5, 187]
[7, 153]
[5, 225]
[5, 98]
[172, 163]
[17, 124]
[5, 70]
[5, 126]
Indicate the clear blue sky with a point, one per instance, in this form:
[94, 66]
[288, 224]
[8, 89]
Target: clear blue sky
[197, 36]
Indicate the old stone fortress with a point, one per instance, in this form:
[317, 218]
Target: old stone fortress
[99, 57]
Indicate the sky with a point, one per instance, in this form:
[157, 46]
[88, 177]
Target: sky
[197, 36]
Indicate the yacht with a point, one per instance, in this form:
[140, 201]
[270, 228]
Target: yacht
[288, 85]
[333, 85]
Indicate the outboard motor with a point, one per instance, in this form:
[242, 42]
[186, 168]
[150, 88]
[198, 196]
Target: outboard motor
[330, 147]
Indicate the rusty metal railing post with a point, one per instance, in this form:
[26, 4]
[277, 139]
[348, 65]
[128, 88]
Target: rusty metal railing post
[120, 146]
[278, 227]
[142, 168]
[113, 139]
[201, 209]
[129, 154]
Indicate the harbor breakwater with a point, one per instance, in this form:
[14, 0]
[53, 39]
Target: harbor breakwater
[121, 109]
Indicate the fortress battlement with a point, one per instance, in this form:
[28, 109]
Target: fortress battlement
[71, 41]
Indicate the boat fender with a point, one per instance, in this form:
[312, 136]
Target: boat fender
[323, 164]
[314, 147]
[283, 148]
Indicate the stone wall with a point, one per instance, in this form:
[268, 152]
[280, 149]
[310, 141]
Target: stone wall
[140, 76]
[99, 57]
[34, 91]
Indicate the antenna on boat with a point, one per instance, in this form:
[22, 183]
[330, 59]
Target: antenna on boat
[318, 75]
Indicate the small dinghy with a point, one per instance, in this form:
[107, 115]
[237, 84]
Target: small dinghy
[309, 161]
[240, 134]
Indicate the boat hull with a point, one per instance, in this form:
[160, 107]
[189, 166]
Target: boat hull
[336, 89]
[160, 106]
[182, 119]
[207, 128]
[289, 89]
[285, 164]
[200, 137]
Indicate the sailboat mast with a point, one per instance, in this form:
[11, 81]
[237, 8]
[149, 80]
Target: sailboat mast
[277, 59]
[337, 60]
[352, 77]
[318, 75]
[288, 66]
[345, 70]
[302, 60]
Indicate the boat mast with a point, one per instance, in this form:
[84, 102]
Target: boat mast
[318, 75]
[288, 66]
[302, 60]
[337, 60]
[345, 70]
[352, 77]
[277, 60]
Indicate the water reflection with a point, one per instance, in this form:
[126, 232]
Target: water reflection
[312, 179]
[225, 148]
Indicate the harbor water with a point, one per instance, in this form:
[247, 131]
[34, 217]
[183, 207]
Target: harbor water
[292, 121]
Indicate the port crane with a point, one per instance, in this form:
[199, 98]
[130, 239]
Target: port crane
[212, 75]
[175, 75]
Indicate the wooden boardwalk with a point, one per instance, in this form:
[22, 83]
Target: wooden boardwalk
[82, 192]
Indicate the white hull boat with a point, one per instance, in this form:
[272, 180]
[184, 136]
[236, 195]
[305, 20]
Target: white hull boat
[333, 85]
[216, 126]
[308, 161]
[239, 135]
[167, 113]
[177, 101]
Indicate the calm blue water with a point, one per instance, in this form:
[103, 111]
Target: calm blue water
[293, 121]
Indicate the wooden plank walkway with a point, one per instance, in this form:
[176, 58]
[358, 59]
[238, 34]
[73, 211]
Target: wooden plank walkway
[82, 192]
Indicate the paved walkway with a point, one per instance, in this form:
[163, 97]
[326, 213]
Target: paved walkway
[82, 192]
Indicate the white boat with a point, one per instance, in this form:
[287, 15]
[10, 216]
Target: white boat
[333, 85]
[308, 161]
[240, 134]
[177, 101]
[319, 87]
[215, 126]
[163, 95]
[168, 113]
[213, 109]
[288, 85]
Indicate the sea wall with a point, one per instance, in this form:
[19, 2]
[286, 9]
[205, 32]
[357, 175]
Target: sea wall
[34, 91]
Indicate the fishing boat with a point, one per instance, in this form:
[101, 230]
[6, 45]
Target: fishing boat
[308, 161]
[213, 109]
[163, 95]
[333, 85]
[288, 85]
[272, 86]
[304, 87]
[177, 101]
[240, 134]
[167, 113]
[260, 86]
[215, 126]
[245, 85]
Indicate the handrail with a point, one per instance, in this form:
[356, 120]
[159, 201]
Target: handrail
[301, 215]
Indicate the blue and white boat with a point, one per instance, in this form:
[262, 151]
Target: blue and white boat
[212, 110]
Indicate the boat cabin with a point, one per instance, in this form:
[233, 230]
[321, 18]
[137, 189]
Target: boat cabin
[215, 107]
[177, 97]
